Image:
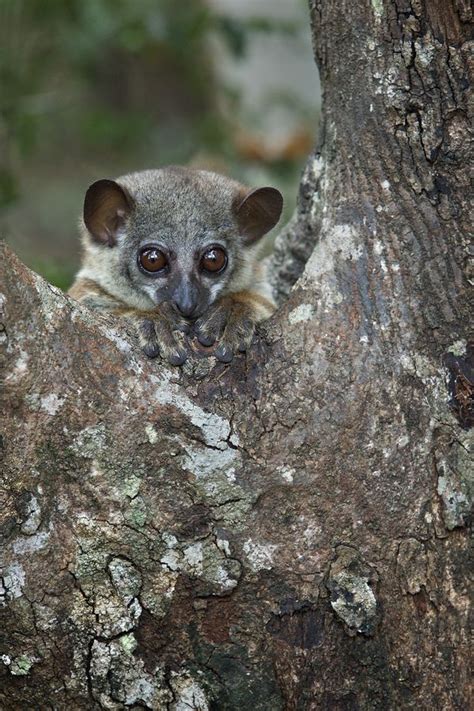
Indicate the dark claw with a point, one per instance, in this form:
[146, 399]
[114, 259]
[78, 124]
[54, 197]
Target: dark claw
[183, 327]
[205, 340]
[151, 350]
[242, 347]
[224, 354]
[177, 358]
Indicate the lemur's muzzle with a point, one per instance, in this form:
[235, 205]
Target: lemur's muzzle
[186, 299]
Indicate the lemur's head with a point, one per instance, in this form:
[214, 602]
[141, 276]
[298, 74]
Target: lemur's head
[178, 234]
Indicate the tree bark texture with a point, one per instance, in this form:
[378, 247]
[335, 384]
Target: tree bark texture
[289, 531]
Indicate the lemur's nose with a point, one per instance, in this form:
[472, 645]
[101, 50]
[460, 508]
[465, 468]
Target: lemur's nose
[185, 299]
[185, 308]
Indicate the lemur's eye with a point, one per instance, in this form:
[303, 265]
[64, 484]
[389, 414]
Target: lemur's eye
[214, 260]
[152, 260]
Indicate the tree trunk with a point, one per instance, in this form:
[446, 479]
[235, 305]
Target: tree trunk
[290, 531]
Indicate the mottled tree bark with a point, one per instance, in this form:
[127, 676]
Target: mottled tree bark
[289, 531]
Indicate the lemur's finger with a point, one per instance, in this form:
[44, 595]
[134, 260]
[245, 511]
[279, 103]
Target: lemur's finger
[171, 342]
[156, 337]
[224, 353]
[237, 335]
[147, 338]
[209, 327]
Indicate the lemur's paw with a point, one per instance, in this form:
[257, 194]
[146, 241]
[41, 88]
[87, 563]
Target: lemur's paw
[228, 326]
[163, 333]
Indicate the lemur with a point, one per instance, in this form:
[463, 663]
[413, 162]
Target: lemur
[176, 250]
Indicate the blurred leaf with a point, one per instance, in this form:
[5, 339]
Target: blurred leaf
[8, 188]
[268, 25]
[105, 129]
[25, 127]
[213, 132]
[234, 34]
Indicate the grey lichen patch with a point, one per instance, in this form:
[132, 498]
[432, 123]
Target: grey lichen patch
[126, 579]
[129, 643]
[87, 530]
[287, 473]
[215, 429]
[209, 466]
[303, 312]
[338, 243]
[114, 613]
[107, 594]
[352, 597]
[455, 468]
[354, 602]
[220, 572]
[31, 544]
[188, 693]
[117, 337]
[377, 6]
[130, 486]
[12, 583]
[137, 513]
[90, 442]
[112, 590]
[458, 348]
[412, 565]
[52, 302]
[119, 679]
[50, 404]
[260, 555]
[425, 51]
[19, 369]
[151, 433]
[206, 562]
[33, 517]
[215, 474]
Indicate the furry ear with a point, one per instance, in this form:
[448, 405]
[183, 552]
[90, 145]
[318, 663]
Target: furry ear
[106, 207]
[257, 212]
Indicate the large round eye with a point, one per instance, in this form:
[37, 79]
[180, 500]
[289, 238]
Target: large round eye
[152, 259]
[214, 260]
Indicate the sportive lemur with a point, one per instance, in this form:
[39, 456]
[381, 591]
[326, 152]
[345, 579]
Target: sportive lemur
[176, 251]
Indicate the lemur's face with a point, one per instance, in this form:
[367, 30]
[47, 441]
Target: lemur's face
[178, 235]
[191, 273]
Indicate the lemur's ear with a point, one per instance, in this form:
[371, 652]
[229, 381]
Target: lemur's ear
[106, 207]
[257, 212]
